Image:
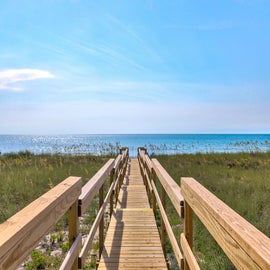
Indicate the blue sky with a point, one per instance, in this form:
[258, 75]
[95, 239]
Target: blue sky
[134, 66]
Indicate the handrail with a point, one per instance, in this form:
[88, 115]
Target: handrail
[177, 252]
[90, 237]
[151, 170]
[245, 246]
[90, 189]
[21, 233]
[170, 186]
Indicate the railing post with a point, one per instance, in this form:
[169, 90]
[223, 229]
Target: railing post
[123, 174]
[163, 228]
[120, 174]
[101, 224]
[149, 173]
[144, 176]
[154, 200]
[111, 198]
[117, 178]
[73, 229]
[125, 167]
[188, 229]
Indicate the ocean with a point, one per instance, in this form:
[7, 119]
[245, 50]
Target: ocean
[155, 143]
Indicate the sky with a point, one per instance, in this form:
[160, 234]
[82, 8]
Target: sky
[134, 66]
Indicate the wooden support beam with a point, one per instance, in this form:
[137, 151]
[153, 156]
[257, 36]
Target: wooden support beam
[112, 174]
[163, 228]
[188, 230]
[101, 224]
[72, 255]
[73, 229]
[190, 259]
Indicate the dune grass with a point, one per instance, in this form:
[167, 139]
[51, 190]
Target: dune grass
[25, 176]
[241, 180]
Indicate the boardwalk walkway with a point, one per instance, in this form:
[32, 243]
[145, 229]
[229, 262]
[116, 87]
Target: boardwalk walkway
[132, 240]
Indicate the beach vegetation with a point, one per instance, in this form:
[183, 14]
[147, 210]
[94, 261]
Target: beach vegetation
[241, 180]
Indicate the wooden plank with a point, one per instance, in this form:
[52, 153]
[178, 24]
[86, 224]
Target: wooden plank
[132, 249]
[91, 188]
[118, 162]
[22, 232]
[148, 162]
[90, 237]
[188, 254]
[188, 229]
[101, 223]
[171, 187]
[116, 267]
[72, 254]
[133, 253]
[132, 240]
[133, 257]
[125, 265]
[246, 246]
[73, 226]
[131, 243]
[150, 260]
[132, 268]
[176, 250]
[148, 182]
[132, 233]
[131, 227]
[112, 174]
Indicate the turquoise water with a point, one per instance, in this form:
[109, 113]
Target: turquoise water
[155, 143]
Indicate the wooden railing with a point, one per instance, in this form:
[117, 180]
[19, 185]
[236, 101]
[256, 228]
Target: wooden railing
[152, 171]
[245, 246]
[20, 234]
[116, 169]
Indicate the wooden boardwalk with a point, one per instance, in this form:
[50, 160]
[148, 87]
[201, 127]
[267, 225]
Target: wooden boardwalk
[132, 240]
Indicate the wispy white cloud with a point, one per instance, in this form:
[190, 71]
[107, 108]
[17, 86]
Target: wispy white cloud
[9, 77]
